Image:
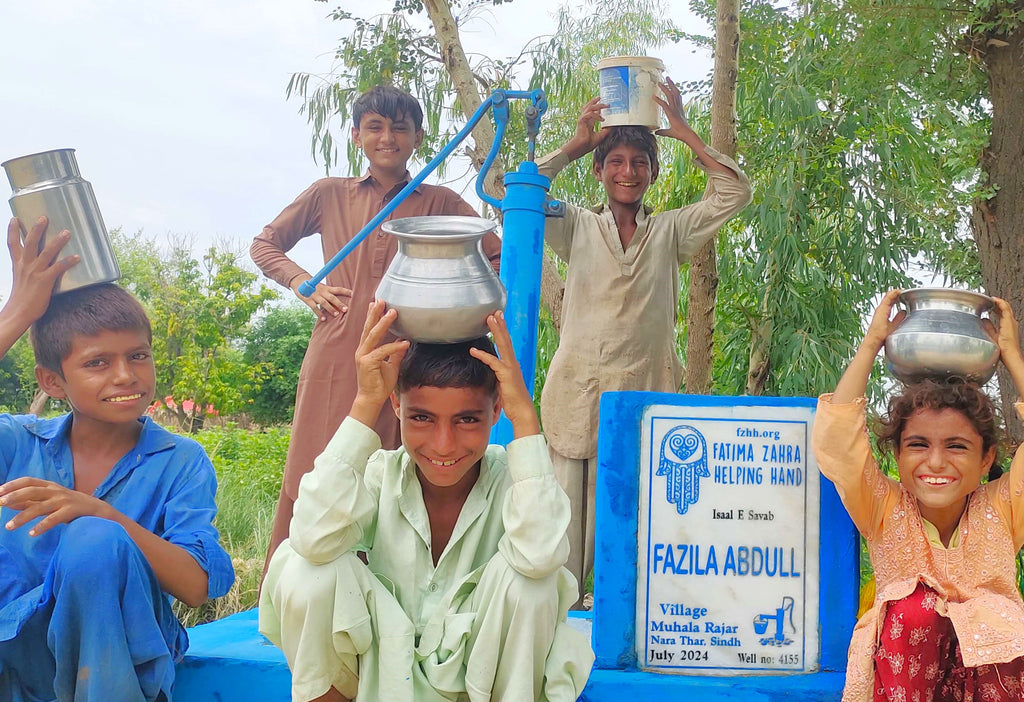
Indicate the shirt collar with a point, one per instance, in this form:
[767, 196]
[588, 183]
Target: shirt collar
[153, 438]
[368, 178]
[643, 213]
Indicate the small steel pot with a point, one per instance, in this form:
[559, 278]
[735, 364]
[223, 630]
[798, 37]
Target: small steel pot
[440, 281]
[48, 183]
[942, 336]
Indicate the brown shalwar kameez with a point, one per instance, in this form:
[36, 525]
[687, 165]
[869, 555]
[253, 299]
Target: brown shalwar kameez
[337, 208]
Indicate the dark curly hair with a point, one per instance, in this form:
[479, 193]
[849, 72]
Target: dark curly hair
[955, 394]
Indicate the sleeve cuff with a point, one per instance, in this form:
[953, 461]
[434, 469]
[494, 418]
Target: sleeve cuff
[725, 161]
[212, 558]
[552, 164]
[826, 399]
[353, 443]
[528, 457]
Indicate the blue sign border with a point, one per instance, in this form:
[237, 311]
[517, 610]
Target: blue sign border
[617, 504]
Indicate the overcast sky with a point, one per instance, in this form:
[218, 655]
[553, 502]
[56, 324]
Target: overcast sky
[177, 110]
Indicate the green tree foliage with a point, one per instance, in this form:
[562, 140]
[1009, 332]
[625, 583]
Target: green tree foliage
[277, 342]
[391, 48]
[200, 309]
[17, 378]
[860, 134]
[849, 168]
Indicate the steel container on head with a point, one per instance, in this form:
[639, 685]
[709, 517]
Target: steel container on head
[49, 183]
[942, 336]
[440, 281]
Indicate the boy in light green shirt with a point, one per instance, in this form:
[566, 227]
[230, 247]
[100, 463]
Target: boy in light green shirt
[464, 594]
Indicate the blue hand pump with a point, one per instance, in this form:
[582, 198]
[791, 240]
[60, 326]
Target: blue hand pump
[522, 245]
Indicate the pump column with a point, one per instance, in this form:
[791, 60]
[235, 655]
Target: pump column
[522, 258]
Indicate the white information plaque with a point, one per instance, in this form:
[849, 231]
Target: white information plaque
[727, 562]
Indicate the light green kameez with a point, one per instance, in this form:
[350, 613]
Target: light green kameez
[488, 622]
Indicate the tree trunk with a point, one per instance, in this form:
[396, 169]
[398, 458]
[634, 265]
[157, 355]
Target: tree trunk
[454, 57]
[998, 223]
[703, 268]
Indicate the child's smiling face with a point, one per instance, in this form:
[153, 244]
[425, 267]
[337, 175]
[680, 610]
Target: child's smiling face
[446, 431]
[941, 461]
[387, 143]
[627, 173]
[108, 378]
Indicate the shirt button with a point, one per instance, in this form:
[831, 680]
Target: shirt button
[433, 587]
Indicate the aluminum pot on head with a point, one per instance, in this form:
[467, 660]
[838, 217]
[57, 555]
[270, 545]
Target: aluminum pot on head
[440, 281]
[942, 336]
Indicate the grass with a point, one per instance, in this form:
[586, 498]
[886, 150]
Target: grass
[249, 467]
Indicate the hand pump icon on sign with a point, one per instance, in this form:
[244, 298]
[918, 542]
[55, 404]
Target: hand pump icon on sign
[761, 622]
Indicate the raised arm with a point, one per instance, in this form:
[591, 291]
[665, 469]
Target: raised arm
[1007, 338]
[337, 506]
[679, 128]
[854, 382]
[536, 510]
[35, 273]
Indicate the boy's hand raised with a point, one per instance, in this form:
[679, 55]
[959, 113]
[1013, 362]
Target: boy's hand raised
[672, 105]
[376, 364]
[586, 139]
[515, 398]
[35, 270]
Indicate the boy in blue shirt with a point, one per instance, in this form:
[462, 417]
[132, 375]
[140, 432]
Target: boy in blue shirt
[105, 515]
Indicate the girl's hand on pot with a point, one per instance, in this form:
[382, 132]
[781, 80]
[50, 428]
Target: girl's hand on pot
[882, 321]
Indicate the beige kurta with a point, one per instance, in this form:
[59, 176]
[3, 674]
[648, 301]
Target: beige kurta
[619, 311]
[418, 629]
[975, 579]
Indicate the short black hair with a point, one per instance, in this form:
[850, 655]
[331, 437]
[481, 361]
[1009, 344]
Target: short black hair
[447, 366]
[639, 137]
[387, 101]
[84, 312]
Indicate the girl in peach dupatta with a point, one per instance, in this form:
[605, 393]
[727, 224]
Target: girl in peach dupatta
[947, 621]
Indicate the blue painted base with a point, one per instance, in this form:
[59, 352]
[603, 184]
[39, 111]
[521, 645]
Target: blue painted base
[608, 685]
[229, 661]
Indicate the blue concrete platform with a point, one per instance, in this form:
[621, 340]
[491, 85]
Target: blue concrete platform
[229, 661]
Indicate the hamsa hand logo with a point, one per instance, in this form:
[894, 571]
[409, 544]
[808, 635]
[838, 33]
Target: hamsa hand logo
[684, 461]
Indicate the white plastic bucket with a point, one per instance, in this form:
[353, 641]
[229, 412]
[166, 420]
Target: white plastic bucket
[628, 86]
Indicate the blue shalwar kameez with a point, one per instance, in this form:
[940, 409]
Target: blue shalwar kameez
[82, 616]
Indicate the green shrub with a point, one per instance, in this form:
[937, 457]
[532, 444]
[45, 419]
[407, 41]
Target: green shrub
[249, 466]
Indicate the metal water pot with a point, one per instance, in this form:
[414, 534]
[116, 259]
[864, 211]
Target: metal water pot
[48, 183]
[440, 281]
[942, 336]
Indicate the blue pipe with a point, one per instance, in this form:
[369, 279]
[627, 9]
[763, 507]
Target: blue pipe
[522, 257]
